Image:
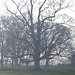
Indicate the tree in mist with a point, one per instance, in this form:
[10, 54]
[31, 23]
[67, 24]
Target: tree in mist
[15, 47]
[2, 38]
[60, 38]
[39, 25]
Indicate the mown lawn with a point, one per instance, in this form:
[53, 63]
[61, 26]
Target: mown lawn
[42, 72]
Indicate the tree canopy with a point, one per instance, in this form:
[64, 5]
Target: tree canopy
[34, 31]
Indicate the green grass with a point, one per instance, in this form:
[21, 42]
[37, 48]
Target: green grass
[41, 72]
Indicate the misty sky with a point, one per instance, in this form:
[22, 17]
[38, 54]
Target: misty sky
[3, 10]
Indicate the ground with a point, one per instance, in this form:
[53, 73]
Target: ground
[53, 71]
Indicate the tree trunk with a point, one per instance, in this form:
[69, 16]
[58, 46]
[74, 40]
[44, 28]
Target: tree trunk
[16, 62]
[2, 55]
[37, 61]
[47, 62]
[12, 63]
[1, 58]
[37, 55]
[37, 65]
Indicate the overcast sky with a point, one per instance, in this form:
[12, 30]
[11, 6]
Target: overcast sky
[71, 13]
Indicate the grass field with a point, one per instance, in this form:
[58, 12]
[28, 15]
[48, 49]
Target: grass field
[41, 72]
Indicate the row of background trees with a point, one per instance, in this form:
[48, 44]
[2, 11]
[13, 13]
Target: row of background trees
[33, 34]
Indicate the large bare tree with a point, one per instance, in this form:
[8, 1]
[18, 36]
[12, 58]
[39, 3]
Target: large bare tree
[39, 25]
